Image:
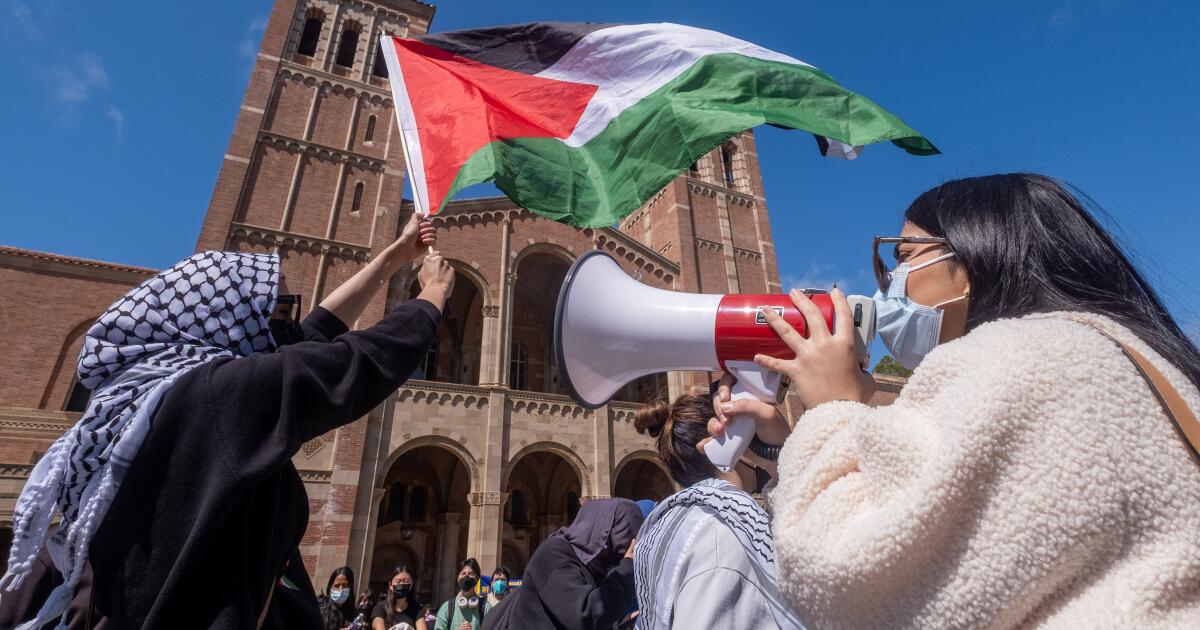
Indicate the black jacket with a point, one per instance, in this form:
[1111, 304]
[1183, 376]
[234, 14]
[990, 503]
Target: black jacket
[212, 510]
[559, 592]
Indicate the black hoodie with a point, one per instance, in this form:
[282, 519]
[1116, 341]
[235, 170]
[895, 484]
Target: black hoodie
[212, 511]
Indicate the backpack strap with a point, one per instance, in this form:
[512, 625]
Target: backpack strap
[1172, 402]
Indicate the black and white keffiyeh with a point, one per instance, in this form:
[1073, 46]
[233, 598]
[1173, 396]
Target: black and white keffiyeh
[213, 304]
[658, 567]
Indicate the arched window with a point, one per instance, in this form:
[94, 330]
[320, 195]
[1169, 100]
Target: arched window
[518, 509]
[727, 163]
[370, 135]
[311, 33]
[79, 397]
[358, 192]
[380, 67]
[395, 503]
[429, 368]
[417, 504]
[348, 46]
[694, 169]
[518, 365]
[572, 506]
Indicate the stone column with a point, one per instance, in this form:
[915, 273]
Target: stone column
[363, 554]
[602, 451]
[487, 501]
[448, 528]
[492, 355]
[508, 279]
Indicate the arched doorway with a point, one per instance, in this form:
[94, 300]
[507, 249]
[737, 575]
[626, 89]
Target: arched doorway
[531, 363]
[640, 478]
[455, 357]
[544, 492]
[423, 521]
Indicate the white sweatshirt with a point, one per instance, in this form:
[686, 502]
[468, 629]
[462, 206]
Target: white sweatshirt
[1025, 476]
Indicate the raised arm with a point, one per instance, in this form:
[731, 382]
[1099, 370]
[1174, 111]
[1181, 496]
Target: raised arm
[266, 405]
[348, 301]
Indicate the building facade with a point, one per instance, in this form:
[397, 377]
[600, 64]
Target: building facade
[481, 454]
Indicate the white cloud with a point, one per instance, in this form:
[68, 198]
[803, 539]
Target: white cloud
[118, 117]
[1062, 18]
[18, 20]
[248, 45]
[74, 84]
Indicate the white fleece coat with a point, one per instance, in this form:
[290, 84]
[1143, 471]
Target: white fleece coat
[1025, 476]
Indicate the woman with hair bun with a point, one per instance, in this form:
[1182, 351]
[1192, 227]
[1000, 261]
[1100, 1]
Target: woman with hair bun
[705, 558]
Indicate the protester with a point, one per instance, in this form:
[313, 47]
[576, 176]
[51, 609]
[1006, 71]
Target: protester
[464, 611]
[499, 587]
[705, 557]
[366, 604]
[337, 602]
[581, 577]
[400, 606]
[178, 479]
[1027, 474]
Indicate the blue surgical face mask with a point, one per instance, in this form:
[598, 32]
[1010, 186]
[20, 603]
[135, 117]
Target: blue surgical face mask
[339, 595]
[499, 587]
[909, 330]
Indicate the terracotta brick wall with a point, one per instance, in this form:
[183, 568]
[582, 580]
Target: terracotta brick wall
[47, 303]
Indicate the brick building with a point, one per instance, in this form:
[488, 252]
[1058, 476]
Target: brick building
[482, 455]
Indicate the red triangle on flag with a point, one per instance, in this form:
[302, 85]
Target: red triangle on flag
[461, 105]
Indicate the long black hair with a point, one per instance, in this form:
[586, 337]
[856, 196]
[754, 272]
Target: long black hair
[339, 615]
[390, 598]
[1030, 245]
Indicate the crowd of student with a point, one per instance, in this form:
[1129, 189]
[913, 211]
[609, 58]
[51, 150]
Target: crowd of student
[1038, 469]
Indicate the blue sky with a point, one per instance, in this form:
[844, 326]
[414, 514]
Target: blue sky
[115, 119]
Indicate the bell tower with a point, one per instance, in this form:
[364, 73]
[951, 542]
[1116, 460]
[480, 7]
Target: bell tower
[314, 171]
[712, 221]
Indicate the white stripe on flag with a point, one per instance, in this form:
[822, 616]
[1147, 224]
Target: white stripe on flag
[630, 62]
[841, 150]
[413, 158]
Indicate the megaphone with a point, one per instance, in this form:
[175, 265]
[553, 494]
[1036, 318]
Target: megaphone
[610, 329]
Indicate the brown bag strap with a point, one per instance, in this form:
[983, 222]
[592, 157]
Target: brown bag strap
[1172, 402]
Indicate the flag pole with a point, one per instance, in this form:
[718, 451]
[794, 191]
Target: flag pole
[418, 205]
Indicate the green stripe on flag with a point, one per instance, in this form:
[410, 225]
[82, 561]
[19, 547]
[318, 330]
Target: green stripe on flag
[646, 146]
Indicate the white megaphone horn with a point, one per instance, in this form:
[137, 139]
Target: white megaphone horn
[610, 329]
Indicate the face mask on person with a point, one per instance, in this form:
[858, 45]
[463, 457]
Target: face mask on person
[499, 587]
[284, 320]
[401, 591]
[339, 595]
[909, 330]
[466, 583]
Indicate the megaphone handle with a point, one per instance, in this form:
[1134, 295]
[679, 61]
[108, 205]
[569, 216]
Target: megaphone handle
[752, 382]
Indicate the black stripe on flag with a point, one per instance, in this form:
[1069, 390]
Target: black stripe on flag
[528, 48]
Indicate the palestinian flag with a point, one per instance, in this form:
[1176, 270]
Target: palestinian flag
[582, 123]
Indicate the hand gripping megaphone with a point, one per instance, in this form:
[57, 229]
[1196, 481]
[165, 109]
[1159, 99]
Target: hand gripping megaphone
[610, 329]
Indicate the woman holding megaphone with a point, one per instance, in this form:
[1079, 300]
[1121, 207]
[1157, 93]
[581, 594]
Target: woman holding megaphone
[1040, 466]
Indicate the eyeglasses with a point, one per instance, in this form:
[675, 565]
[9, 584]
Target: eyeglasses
[883, 272]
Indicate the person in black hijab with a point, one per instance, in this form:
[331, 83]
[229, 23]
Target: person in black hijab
[176, 489]
[581, 577]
